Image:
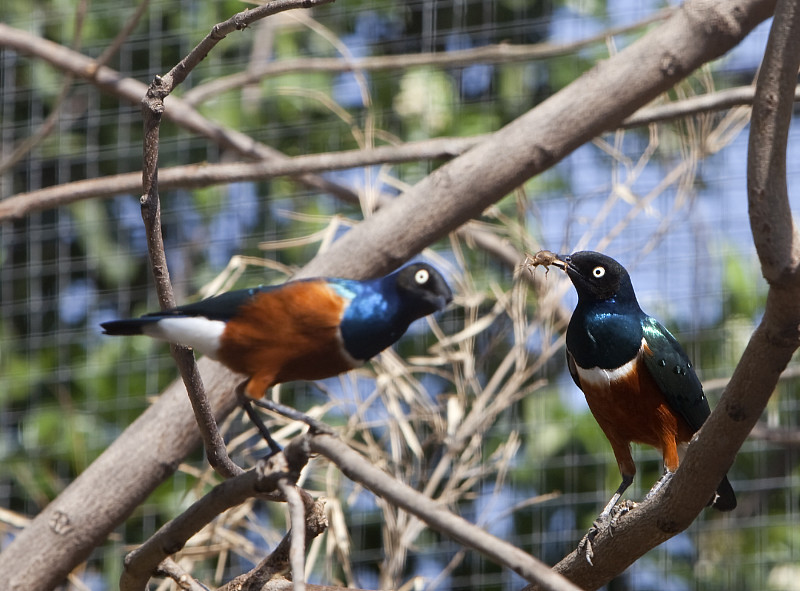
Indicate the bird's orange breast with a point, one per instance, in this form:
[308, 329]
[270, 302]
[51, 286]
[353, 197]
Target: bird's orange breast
[631, 408]
[291, 333]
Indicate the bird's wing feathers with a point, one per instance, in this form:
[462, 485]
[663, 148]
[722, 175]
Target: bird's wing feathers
[672, 371]
[573, 370]
[221, 307]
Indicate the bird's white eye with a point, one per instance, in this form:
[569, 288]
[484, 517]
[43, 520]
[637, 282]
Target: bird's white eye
[598, 272]
[422, 276]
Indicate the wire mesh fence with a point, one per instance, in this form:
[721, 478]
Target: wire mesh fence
[669, 201]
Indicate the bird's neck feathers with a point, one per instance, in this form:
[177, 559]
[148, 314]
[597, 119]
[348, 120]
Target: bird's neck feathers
[605, 333]
[375, 318]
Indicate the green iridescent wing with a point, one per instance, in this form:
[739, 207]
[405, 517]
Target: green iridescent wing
[671, 369]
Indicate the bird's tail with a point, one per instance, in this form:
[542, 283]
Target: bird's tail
[726, 498]
[131, 326]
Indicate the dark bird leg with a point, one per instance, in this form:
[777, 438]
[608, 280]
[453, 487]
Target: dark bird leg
[626, 482]
[246, 402]
[607, 518]
[293, 414]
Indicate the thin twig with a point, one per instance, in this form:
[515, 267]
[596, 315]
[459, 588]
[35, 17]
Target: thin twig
[49, 124]
[174, 571]
[210, 174]
[355, 467]
[315, 523]
[293, 414]
[237, 22]
[179, 112]
[152, 111]
[297, 550]
[706, 103]
[783, 436]
[120, 38]
[264, 478]
[499, 53]
[81, 104]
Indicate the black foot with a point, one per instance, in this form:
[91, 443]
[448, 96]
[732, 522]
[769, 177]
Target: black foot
[605, 521]
[287, 411]
[274, 446]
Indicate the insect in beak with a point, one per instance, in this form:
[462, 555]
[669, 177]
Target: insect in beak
[544, 258]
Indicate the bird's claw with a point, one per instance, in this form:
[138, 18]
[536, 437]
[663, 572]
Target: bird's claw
[604, 522]
[585, 545]
[619, 510]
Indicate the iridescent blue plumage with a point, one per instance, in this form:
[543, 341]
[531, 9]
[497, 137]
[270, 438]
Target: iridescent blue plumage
[381, 310]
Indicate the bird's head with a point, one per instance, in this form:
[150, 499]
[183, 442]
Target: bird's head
[423, 289]
[598, 277]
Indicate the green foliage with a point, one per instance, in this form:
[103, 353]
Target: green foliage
[743, 298]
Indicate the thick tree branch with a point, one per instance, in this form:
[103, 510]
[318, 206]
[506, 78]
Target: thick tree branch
[774, 234]
[462, 188]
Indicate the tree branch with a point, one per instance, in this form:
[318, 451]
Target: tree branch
[152, 110]
[297, 546]
[264, 478]
[207, 174]
[774, 234]
[210, 174]
[278, 561]
[487, 54]
[184, 580]
[237, 22]
[358, 469]
[704, 103]
[49, 124]
[104, 495]
[462, 188]
[132, 91]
